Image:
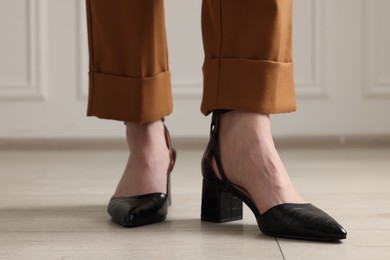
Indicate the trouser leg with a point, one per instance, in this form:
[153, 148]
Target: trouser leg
[248, 56]
[129, 77]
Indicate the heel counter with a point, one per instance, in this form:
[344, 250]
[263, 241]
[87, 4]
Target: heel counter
[207, 169]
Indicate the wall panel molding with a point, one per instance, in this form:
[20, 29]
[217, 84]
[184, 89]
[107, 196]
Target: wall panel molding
[314, 86]
[34, 87]
[82, 50]
[373, 19]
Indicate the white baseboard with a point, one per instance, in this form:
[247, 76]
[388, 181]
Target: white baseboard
[191, 143]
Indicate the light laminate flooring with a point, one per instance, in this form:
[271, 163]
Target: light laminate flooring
[53, 206]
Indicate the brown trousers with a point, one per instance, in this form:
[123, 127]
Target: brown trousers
[247, 64]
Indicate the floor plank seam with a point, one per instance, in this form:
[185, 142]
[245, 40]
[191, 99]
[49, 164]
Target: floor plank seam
[280, 248]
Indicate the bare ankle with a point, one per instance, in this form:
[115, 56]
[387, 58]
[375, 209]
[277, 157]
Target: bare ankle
[146, 134]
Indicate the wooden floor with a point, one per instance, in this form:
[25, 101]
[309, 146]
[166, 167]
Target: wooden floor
[53, 206]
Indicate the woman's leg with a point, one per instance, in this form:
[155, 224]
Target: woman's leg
[129, 80]
[248, 68]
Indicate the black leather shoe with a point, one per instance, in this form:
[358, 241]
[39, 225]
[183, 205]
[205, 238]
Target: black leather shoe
[222, 202]
[133, 211]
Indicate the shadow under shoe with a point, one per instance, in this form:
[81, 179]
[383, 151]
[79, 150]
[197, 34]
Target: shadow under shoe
[133, 211]
[222, 202]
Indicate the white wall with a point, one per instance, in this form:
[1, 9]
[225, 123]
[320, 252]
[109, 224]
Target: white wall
[340, 49]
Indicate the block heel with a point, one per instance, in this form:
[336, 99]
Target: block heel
[219, 205]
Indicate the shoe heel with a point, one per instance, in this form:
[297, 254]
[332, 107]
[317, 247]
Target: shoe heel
[169, 192]
[219, 204]
[169, 177]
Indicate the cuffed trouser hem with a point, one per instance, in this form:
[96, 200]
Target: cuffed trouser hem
[248, 85]
[137, 100]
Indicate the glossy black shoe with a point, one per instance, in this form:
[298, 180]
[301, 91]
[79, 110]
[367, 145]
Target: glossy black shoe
[133, 211]
[222, 202]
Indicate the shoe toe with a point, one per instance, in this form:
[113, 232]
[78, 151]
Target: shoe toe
[339, 232]
[325, 228]
[138, 210]
[302, 221]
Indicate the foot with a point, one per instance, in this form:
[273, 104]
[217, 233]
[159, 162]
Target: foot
[147, 166]
[251, 162]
